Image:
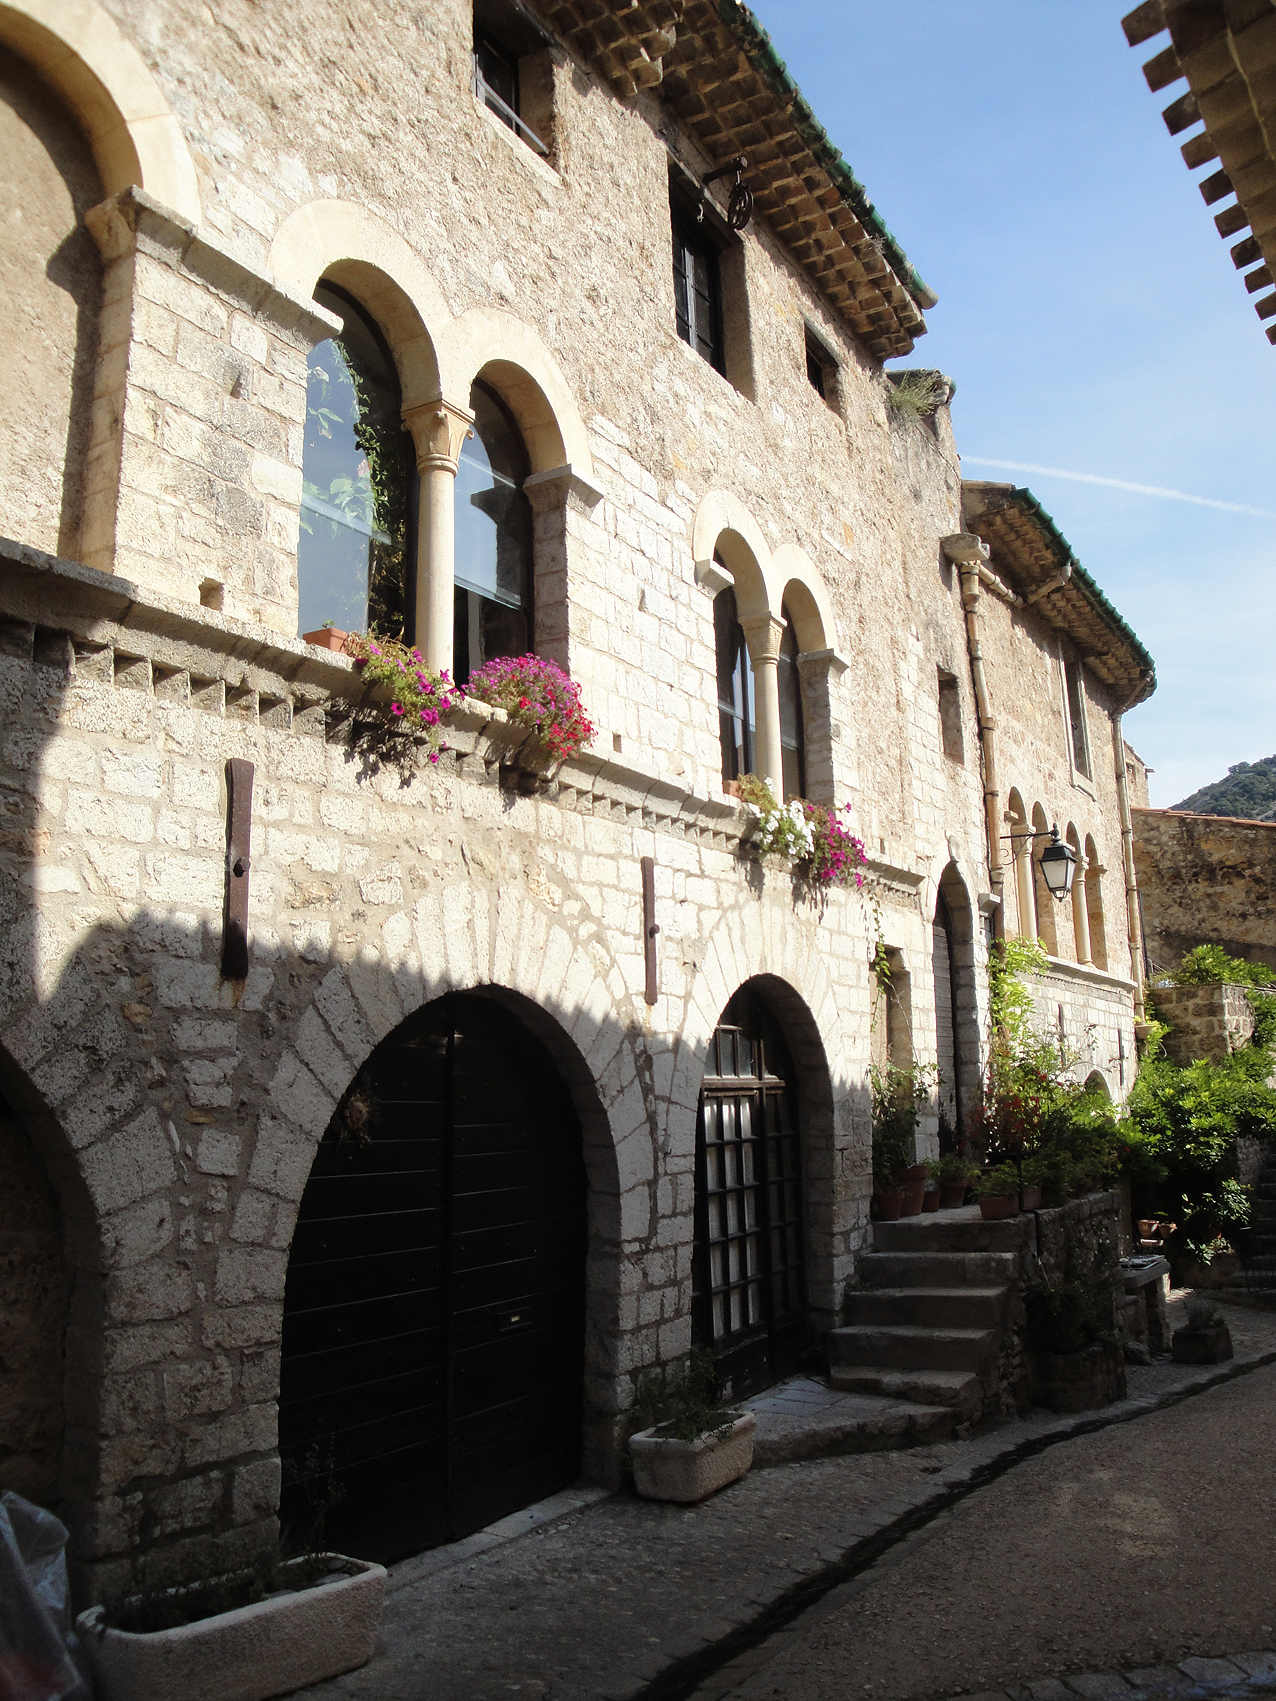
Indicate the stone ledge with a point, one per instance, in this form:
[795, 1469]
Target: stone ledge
[1060, 968]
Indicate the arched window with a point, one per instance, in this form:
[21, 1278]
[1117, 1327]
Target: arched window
[359, 484]
[792, 735]
[493, 600]
[737, 724]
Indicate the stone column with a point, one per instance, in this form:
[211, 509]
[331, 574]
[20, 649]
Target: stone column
[1022, 848]
[438, 431]
[1081, 913]
[762, 633]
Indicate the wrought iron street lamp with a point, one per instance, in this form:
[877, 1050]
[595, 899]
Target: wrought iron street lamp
[1058, 861]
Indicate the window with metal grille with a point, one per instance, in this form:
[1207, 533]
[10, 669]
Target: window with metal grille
[697, 291]
[510, 75]
[821, 369]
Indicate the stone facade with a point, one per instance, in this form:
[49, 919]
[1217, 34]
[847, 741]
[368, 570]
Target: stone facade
[1209, 1022]
[1205, 880]
[177, 1113]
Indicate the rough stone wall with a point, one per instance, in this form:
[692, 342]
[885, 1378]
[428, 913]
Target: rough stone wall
[177, 1114]
[1205, 880]
[1090, 1016]
[1207, 1022]
[50, 293]
[34, 1290]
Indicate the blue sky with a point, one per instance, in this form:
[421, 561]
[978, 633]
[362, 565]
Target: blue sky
[1090, 315]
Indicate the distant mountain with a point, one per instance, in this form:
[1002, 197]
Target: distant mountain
[1248, 791]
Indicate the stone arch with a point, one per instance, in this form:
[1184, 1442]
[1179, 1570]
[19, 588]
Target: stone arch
[804, 594]
[353, 247]
[1097, 1082]
[1045, 904]
[724, 527]
[508, 354]
[1094, 904]
[80, 51]
[766, 949]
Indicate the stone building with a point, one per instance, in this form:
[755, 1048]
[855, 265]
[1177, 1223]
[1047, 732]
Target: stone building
[417, 1191]
[1205, 880]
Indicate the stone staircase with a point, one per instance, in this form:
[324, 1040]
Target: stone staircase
[929, 1321]
[1260, 1241]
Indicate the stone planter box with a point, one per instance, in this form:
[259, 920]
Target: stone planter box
[687, 1471]
[1080, 1382]
[269, 1648]
[1202, 1346]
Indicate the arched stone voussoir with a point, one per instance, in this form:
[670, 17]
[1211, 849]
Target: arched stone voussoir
[361, 252]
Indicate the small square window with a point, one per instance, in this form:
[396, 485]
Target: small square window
[821, 369]
[512, 76]
[697, 290]
[1076, 717]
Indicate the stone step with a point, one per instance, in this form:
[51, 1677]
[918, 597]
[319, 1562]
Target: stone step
[961, 1392]
[902, 1347]
[965, 1307]
[953, 1231]
[936, 1269]
[848, 1421]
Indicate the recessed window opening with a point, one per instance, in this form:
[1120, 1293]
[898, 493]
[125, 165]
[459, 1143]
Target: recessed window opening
[950, 717]
[821, 369]
[697, 290]
[792, 739]
[504, 41]
[359, 484]
[737, 725]
[493, 573]
[1076, 717]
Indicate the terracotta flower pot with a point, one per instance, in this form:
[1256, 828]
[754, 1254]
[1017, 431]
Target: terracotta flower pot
[930, 1200]
[1000, 1205]
[326, 638]
[952, 1195]
[913, 1181]
[888, 1201]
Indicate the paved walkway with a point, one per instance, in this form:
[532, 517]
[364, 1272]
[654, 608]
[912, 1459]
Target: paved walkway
[599, 1598]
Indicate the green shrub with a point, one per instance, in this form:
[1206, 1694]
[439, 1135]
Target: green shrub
[1208, 965]
[683, 1401]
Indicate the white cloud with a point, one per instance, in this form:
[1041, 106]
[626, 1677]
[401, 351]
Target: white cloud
[1115, 484]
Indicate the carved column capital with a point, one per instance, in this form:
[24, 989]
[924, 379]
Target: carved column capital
[763, 634]
[438, 431]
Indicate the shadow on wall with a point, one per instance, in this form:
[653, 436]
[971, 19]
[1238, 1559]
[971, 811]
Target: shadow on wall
[51, 276]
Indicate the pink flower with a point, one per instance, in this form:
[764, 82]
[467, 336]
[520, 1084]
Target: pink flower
[396, 708]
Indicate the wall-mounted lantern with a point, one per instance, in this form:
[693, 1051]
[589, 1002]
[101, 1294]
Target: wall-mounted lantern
[1058, 861]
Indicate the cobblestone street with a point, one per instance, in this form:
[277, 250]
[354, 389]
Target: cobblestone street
[1110, 1549]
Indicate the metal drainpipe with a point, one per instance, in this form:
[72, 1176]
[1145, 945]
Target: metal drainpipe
[1127, 852]
[969, 554]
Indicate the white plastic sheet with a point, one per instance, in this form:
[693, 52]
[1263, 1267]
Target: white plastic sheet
[38, 1649]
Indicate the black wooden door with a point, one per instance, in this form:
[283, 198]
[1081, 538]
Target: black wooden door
[433, 1332]
[749, 1276]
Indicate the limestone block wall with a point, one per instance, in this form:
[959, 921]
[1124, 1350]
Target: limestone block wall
[1090, 1016]
[1207, 1022]
[1205, 880]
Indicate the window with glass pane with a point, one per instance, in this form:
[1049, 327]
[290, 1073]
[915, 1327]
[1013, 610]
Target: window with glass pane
[736, 723]
[493, 598]
[792, 741]
[697, 293]
[358, 493]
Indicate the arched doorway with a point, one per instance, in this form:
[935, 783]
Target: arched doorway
[750, 1301]
[434, 1312]
[956, 1025]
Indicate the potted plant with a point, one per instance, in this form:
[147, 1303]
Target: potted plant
[328, 637]
[1032, 1175]
[954, 1174]
[240, 1637]
[693, 1444]
[1205, 1337]
[930, 1198]
[998, 1193]
[895, 1094]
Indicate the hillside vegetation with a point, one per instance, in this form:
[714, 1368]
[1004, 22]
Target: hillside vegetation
[1249, 791]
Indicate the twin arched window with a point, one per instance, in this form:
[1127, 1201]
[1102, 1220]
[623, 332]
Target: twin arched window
[737, 708]
[356, 555]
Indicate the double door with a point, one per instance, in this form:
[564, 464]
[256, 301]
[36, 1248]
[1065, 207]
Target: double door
[433, 1334]
[749, 1274]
